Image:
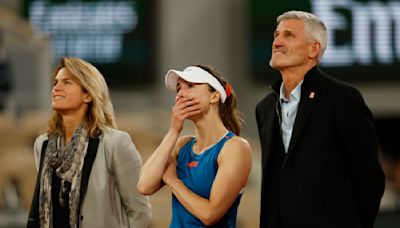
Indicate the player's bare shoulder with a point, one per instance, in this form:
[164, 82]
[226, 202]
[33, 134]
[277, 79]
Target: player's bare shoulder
[182, 140]
[237, 145]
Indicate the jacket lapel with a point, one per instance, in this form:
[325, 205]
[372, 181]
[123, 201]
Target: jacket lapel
[87, 165]
[33, 219]
[309, 96]
[86, 169]
[271, 122]
[270, 126]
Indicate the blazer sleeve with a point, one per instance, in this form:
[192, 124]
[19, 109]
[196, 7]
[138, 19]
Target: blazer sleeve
[33, 217]
[126, 163]
[355, 123]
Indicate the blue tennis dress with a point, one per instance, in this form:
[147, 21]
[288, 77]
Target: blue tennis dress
[198, 173]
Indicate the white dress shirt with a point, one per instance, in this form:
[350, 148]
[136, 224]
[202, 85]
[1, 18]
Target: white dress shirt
[288, 112]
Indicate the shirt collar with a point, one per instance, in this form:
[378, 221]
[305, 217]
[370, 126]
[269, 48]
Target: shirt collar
[294, 95]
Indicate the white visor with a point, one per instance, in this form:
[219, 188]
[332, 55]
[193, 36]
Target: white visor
[195, 75]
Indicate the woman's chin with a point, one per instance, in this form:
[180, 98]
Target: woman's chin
[59, 109]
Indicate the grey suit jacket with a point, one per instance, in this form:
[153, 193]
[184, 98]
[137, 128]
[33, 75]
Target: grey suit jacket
[111, 198]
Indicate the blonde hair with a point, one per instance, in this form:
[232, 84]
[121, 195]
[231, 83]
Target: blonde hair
[100, 112]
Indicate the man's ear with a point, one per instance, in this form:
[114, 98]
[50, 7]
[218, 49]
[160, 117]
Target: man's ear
[314, 50]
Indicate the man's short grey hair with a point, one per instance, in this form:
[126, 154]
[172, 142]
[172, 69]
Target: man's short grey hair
[315, 28]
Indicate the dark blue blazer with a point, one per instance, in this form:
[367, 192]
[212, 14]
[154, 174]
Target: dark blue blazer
[331, 175]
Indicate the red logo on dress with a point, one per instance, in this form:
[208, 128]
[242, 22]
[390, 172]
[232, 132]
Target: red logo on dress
[193, 164]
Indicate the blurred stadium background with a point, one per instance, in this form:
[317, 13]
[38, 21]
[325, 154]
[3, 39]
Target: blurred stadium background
[134, 43]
